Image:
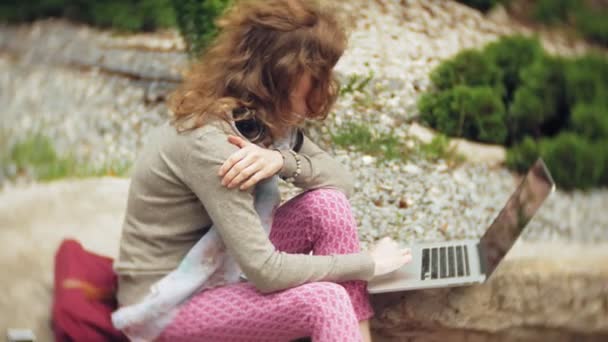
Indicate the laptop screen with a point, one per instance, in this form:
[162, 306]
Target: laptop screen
[510, 222]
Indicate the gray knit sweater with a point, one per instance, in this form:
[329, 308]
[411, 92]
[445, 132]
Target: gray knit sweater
[175, 194]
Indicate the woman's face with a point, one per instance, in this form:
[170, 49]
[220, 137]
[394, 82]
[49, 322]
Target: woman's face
[299, 95]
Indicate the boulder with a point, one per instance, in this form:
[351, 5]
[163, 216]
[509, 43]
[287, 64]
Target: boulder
[553, 291]
[473, 152]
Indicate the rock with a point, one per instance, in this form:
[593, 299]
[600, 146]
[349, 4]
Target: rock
[367, 160]
[478, 152]
[33, 222]
[542, 292]
[473, 151]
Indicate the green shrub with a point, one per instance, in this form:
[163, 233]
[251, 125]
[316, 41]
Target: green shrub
[522, 155]
[511, 54]
[591, 121]
[482, 5]
[593, 24]
[587, 79]
[130, 15]
[470, 68]
[473, 112]
[589, 18]
[194, 18]
[145, 15]
[574, 161]
[196, 21]
[539, 106]
[12, 11]
[554, 11]
[601, 146]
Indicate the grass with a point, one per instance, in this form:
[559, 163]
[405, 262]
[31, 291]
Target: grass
[356, 83]
[36, 156]
[388, 146]
[385, 145]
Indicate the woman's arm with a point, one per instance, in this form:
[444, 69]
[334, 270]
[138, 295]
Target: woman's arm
[233, 214]
[319, 168]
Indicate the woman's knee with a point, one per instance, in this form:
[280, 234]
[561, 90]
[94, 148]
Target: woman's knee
[325, 202]
[322, 297]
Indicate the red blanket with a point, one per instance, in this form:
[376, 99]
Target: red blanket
[84, 295]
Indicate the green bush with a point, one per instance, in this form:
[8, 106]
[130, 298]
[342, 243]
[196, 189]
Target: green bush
[587, 79]
[144, 15]
[554, 11]
[482, 5]
[539, 107]
[133, 15]
[593, 24]
[601, 146]
[474, 112]
[470, 68]
[574, 161]
[589, 18]
[196, 21]
[194, 18]
[591, 121]
[522, 155]
[558, 108]
[511, 54]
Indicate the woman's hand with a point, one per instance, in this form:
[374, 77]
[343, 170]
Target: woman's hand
[249, 165]
[388, 256]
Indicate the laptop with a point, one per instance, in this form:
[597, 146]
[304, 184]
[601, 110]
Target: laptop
[465, 262]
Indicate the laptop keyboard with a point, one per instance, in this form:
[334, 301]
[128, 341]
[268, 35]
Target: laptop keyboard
[445, 262]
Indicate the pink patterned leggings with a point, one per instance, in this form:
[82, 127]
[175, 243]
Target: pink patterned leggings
[318, 220]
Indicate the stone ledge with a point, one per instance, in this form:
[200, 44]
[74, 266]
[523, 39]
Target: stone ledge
[543, 292]
[549, 292]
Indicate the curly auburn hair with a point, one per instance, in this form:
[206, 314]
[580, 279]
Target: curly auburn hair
[255, 62]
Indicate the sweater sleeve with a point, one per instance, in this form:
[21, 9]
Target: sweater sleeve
[233, 214]
[318, 168]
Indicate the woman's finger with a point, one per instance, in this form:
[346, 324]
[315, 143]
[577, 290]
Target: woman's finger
[253, 180]
[238, 141]
[236, 169]
[245, 174]
[233, 159]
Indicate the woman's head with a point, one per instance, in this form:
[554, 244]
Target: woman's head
[273, 56]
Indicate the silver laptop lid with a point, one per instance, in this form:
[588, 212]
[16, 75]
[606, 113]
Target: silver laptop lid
[510, 222]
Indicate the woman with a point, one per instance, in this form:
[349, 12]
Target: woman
[269, 69]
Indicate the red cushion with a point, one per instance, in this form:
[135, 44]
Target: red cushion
[84, 295]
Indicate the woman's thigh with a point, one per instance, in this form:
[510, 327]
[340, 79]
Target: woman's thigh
[321, 220]
[238, 312]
